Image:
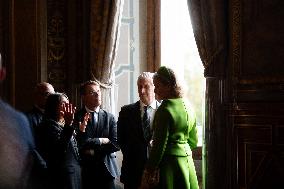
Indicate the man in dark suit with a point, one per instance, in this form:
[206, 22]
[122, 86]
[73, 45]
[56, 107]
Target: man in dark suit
[132, 136]
[16, 145]
[41, 91]
[97, 138]
[35, 115]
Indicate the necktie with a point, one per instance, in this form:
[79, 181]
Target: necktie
[93, 123]
[146, 125]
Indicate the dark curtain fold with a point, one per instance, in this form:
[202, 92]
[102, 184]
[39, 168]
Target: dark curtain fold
[105, 18]
[210, 28]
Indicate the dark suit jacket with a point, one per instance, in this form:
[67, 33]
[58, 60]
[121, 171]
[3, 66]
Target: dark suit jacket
[34, 116]
[59, 149]
[103, 155]
[38, 173]
[132, 143]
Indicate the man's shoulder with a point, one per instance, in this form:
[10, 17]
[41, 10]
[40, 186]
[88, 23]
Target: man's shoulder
[34, 111]
[103, 111]
[131, 106]
[15, 120]
[9, 112]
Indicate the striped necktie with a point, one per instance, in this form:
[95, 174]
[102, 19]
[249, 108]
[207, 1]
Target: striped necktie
[146, 124]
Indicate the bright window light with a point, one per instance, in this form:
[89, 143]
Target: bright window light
[179, 52]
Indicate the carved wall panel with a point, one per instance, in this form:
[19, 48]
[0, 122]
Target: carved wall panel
[257, 93]
[257, 41]
[56, 43]
[259, 145]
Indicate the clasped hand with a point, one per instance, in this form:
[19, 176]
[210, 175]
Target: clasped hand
[83, 125]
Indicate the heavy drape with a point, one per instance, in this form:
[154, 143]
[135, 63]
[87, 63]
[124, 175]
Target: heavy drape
[209, 23]
[210, 28]
[105, 17]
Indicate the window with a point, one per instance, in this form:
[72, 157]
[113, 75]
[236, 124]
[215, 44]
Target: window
[128, 62]
[178, 51]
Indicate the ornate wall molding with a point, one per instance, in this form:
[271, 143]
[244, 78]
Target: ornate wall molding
[56, 44]
[249, 67]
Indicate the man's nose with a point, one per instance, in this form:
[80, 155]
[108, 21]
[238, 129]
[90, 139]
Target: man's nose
[143, 90]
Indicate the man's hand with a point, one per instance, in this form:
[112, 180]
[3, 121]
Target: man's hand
[83, 124]
[68, 111]
[104, 140]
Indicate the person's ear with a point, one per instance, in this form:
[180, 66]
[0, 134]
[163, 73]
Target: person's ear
[2, 73]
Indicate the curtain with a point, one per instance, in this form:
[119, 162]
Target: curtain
[209, 23]
[210, 28]
[105, 18]
[153, 35]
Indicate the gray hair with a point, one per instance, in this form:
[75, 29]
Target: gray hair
[145, 75]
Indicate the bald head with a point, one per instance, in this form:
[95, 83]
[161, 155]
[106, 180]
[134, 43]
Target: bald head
[42, 90]
[44, 86]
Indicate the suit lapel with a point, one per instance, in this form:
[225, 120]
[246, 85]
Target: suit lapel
[137, 118]
[100, 126]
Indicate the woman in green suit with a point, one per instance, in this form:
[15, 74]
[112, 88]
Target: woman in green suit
[174, 136]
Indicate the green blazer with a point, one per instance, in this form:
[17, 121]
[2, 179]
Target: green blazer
[174, 136]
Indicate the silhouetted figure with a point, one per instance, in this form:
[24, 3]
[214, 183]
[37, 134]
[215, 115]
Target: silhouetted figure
[41, 92]
[16, 145]
[57, 144]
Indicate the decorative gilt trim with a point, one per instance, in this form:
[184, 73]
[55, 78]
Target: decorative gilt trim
[262, 80]
[236, 38]
[236, 47]
[238, 78]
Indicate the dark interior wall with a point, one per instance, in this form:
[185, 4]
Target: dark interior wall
[20, 45]
[5, 45]
[43, 41]
[25, 51]
[2, 13]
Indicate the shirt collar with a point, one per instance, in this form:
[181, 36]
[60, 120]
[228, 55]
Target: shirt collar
[96, 110]
[153, 105]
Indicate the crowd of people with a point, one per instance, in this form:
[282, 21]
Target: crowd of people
[56, 145]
